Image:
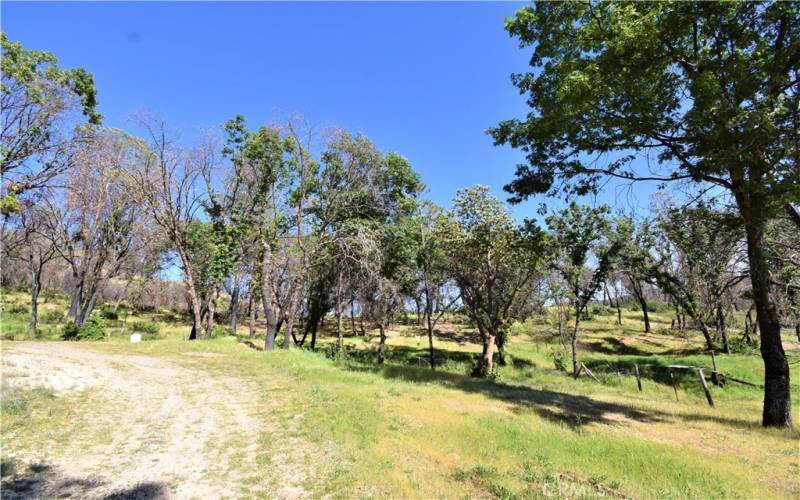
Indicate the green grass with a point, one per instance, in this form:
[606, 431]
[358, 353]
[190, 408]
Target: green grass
[404, 431]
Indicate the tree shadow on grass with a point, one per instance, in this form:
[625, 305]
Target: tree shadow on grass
[572, 410]
[46, 481]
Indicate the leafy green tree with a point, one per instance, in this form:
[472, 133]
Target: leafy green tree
[491, 261]
[584, 257]
[41, 105]
[635, 241]
[433, 274]
[709, 90]
[696, 251]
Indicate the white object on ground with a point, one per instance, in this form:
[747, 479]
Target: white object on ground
[136, 337]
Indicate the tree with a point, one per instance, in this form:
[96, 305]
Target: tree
[97, 225]
[697, 263]
[584, 257]
[29, 243]
[433, 274]
[165, 182]
[41, 104]
[491, 261]
[634, 260]
[707, 90]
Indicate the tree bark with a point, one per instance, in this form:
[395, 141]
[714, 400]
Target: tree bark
[382, 344]
[574, 344]
[268, 299]
[500, 341]
[721, 328]
[429, 321]
[488, 354]
[777, 410]
[251, 309]
[233, 310]
[339, 327]
[36, 275]
[639, 292]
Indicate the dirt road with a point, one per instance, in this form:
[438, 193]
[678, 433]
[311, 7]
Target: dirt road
[169, 431]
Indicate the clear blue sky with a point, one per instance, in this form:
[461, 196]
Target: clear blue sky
[423, 79]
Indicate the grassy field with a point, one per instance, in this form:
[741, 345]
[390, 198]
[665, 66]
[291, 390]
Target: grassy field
[404, 431]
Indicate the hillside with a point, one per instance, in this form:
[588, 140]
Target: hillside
[167, 417]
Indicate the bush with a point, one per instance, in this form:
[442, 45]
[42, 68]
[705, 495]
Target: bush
[658, 306]
[741, 346]
[148, 329]
[53, 317]
[601, 310]
[91, 330]
[109, 313]
[560, 359]
[220, 331]
[18, 309]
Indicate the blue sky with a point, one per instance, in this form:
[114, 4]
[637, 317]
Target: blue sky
[423, 79]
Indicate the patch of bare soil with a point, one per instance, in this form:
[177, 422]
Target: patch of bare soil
[178, 432]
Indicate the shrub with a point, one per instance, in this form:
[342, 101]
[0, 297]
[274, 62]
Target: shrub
[741, 346]
[109, 313]
[560, 359]
[658, 306]
[220, 331]
[53, 317]
[601, 310]
[19, 309]
[148, 329]
[91, 330]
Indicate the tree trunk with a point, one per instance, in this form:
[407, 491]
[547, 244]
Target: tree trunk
[352, 316]
[339, 328]
[429, 318]
[288, 335]
[268, 298]
[233, 310]
[575, 344]
[639, 292]
[777, 395]
[251, 309]
[74, 307]
[500, 341]
[35, 288]
[488, 354]
[197, 317]
[211, 311]
[314, 326]
[721, 328]
[382, 344]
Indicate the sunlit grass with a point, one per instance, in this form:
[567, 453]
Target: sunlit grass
[403, 430]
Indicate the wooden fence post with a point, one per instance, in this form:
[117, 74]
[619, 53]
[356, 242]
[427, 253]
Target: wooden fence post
[705, 386]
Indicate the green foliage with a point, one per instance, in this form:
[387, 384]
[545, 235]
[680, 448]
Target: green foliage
[9, 204]
[689, 83]
[93, 329]
[150, 329]
[37, 71]
[18, 309]
[53, 317]
[579, 237]
[220, 331]
[741, 346]
[109, 313]
[601, 310]
[560, 359]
